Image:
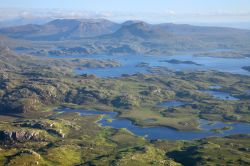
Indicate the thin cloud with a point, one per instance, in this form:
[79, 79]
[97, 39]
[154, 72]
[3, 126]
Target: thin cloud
[167, 15]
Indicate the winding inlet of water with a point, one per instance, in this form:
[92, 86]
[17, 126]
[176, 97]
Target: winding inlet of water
[164, 133]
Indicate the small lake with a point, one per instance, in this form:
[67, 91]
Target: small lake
[220, 95]
[172, 103]
[164, 133]
[215, 87]
[130, 64]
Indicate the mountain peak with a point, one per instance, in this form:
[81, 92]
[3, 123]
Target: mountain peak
[135, 22]
[66, 29]
[63, 29]
[133, 29]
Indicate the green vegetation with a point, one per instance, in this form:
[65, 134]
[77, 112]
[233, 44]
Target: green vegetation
[230, 151]
[35, 86]
[87, 143]
[220, 130]
[32, 134]
[84, 142]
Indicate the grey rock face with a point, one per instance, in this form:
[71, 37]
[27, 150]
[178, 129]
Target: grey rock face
[18, 136]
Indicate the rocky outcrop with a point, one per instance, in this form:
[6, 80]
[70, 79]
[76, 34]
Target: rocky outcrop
[27, 98]
[85, 95]
[125, 101]
[58, 133]
[18, 136]
[50, 127]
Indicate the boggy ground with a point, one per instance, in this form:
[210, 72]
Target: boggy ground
[32, 134]
[36, 85]
[136, 97]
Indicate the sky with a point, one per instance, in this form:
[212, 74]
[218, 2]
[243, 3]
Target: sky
[203, 11]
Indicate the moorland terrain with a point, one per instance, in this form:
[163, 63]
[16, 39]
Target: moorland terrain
[33, 85]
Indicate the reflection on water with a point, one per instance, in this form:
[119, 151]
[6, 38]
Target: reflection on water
[164, 132]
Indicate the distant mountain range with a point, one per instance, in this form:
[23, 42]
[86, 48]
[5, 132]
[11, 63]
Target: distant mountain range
[18, 21]
[96, 36]
[62, 29]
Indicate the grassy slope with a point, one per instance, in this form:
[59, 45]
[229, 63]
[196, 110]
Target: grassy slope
[84, 142]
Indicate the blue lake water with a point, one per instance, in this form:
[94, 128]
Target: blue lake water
[129, 64]
[112, 72]
[215, 87]
[220, 95]
[172, 103]
[164, 133]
